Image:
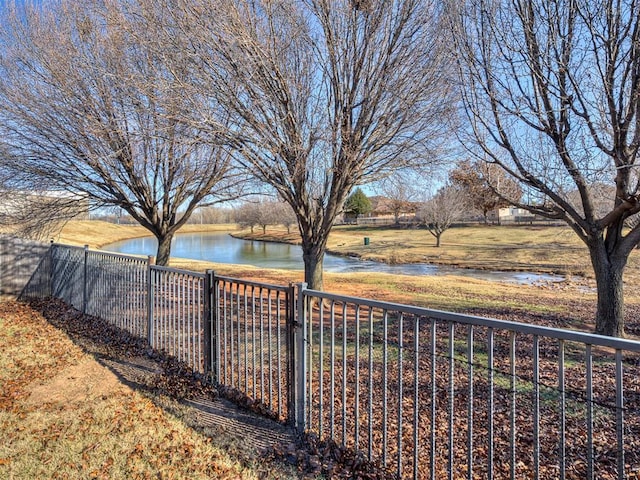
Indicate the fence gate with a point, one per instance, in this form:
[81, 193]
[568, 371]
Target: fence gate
[252, 334]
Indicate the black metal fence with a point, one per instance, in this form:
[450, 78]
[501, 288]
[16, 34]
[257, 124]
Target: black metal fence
[19, 258]
[436, 395]
[428, 394]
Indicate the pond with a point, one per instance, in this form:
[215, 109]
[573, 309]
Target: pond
[223, 248]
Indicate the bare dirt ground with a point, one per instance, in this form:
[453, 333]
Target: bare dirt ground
[76, 384]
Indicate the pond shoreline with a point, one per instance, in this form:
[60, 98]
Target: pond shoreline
[227, 252]
[257, 237]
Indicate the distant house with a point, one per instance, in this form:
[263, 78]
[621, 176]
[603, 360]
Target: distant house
[510, 215]
[384, 211]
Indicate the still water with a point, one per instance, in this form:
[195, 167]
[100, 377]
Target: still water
[223, 248]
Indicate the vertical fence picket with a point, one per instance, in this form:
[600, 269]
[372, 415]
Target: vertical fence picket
[278, 349]
[253, 340]
[620, 415]
[246, 338]
[470, 376]
[416, 395]
[332, 366]
[321, 370]
[434, 391]
[399, 437]
[562, 447]
[512, 410]
[452, 384]
[356, 403]
[344, 354]
[589, 394]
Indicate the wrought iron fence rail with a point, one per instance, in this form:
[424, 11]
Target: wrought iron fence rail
[525, 328]
[249, 283]
[162, 268]
[434, 394]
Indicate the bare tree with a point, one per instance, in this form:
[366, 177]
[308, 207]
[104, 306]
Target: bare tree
[263, 212]
[439, 213]
[551, 92]
[213, 215]
[285, 215]
[325, 95]
[267, 214]
[38, 214]
[247, 215]
[401, 191]
[32, 209]
[89, 105]
[486, 186]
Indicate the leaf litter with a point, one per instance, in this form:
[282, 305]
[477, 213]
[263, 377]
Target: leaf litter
[313, 456]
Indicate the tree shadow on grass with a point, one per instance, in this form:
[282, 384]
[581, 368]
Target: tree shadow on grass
[272, 449]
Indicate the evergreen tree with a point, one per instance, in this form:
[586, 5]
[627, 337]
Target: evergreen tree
[357, 204]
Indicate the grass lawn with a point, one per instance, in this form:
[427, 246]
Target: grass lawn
[63, 415]
[511, 248]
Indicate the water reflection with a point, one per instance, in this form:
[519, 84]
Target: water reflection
[223, 248]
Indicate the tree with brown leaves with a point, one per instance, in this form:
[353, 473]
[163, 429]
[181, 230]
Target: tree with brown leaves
[486, 186]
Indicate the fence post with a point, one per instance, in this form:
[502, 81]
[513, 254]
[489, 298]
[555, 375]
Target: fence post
[215, 302]
[84, 280]
[3, 252]
[51, 271]
[290, 320]
[209, 349]
[150, 291]
[300, 358]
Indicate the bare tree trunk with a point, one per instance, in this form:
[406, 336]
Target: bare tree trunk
[610, 305]
[313, 257]
[438, 240]
[164, 249]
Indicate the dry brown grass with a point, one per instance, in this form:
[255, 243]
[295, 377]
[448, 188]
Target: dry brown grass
[541, 249]
[544, 249]
[62, 415]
